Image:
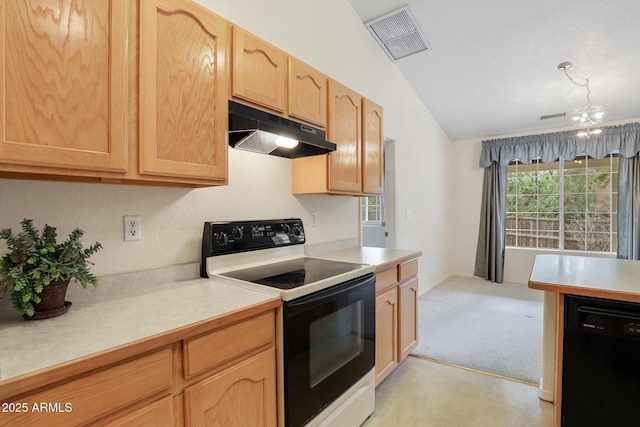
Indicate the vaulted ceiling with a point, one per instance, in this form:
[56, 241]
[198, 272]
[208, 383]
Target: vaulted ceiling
[492, 67]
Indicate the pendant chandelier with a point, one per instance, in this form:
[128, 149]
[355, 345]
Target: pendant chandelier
[589, 116]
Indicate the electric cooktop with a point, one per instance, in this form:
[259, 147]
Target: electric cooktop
[293, 273]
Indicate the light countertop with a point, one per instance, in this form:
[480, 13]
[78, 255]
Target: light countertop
[95, 325]
[587, 276]
[123, 311]
[379, 257]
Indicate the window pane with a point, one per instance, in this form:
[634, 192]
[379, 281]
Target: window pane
[548, 223]
[574, 202]
[511, 203]
[574, 183]
[599, 202]
[527, 204]
[371, 209]
[598, 182]
[586, 212]
[600, 242]
[551, 240]
[549, 203]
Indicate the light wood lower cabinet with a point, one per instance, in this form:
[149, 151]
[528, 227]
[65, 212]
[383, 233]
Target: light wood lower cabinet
[386, 333]
[158, 413]
[408, 317]
[396, 315]
[243, 395]
[178, 383]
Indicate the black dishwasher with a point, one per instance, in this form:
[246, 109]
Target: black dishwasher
[601, 363]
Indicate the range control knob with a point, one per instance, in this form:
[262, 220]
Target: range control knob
[222, 239]
[238, 233]
[297, 230]
[286, 228]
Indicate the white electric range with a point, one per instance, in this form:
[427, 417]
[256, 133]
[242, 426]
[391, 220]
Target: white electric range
[325, 327]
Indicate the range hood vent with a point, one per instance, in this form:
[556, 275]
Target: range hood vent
[257, 131]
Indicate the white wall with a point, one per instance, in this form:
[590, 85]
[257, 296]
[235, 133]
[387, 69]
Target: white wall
[329, 36]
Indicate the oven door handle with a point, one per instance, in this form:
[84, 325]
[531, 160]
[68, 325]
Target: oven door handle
[332, 291]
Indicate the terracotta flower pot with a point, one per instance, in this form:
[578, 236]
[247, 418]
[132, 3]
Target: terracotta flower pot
[52, 302]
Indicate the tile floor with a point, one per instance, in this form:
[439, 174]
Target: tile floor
[425, 393]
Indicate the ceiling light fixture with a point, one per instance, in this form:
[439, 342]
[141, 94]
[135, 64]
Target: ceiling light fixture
[588, 116]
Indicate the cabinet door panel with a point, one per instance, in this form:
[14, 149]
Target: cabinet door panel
[243, 395]
[259, 71]
[386, 333]
[345, 166]
[183, 91]
[63, 84]
[157, 414]
[307, 93]
[373, 148]
[408, 319]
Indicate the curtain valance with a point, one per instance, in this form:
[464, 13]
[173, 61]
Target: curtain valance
[624, 139]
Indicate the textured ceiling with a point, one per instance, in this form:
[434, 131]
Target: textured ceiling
[493, 70]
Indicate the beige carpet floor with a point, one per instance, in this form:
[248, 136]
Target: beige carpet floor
[492, 327]
[423, 393]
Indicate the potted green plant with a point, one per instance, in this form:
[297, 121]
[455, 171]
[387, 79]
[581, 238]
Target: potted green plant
[37, 269]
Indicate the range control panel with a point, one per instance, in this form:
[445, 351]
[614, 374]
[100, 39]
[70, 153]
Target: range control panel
[223, 238]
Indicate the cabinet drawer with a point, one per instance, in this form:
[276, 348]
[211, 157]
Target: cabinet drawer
[407, 269]
[386, 278]
[98, 394]
[206, 351]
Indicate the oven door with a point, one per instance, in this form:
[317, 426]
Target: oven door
[329, 344]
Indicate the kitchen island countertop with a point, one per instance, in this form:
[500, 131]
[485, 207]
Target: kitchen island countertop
[587, 276]
[92, 326]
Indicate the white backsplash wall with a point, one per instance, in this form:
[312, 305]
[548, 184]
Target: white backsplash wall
[172, 218]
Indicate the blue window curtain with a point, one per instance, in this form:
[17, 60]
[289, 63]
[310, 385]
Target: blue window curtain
[498, 153]
[629, 207]
[491, 236]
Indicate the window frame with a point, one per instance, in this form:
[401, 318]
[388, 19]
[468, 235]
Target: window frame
[562, 220]
[365, 210]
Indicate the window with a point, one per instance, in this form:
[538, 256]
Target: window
[372, 209]
[563, 205]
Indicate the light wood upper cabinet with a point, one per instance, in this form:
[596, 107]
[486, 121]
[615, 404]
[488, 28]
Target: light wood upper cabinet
[345, 130]
[259, 72]
[307, 94]
[183, 84]
[63, 84]
[372, 148]
[356, 168]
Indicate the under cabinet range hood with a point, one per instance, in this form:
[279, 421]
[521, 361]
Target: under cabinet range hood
[261, 132]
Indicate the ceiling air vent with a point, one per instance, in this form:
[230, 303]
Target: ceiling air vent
[398, 34]
[553, 116]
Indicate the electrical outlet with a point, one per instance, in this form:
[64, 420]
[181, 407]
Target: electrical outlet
[132, 227]
[314, 218]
